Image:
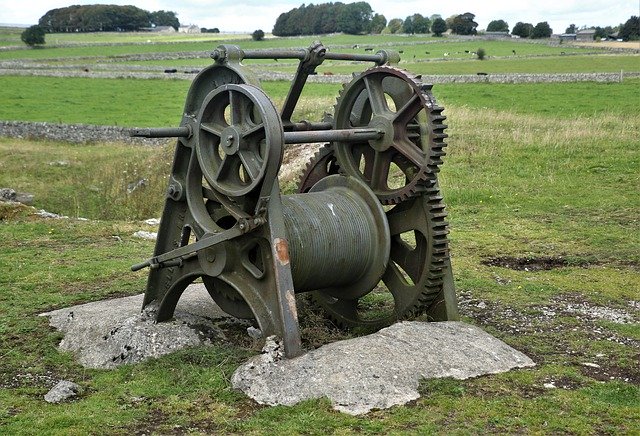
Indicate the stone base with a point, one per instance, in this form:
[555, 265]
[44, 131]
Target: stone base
[357, 375]
[105, 334]
[379, 370]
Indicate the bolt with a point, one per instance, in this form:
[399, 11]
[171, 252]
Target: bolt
[230, 138]
[211, 256]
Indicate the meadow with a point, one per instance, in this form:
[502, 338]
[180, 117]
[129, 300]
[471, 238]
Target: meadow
[536, 174]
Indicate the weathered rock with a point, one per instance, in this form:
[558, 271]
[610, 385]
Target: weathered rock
[7, 194]
[44, 214]
[105, 334]
[62, 391]
[151, 236]
[380, 370]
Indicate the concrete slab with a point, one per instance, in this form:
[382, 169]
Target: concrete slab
[379, 370]
[357, 375]
[105, 334]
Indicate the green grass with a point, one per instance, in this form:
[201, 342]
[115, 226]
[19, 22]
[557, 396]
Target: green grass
[109, 101]
[532, 170]
[537, 65]
[411, 45]
[80, 181]
[516, 184]
[542, 65]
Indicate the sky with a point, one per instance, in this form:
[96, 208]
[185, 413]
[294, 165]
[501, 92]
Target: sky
[247, 16]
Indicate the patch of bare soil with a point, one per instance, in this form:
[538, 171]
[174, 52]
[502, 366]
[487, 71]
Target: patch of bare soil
[28, 379]
[540, 263]
[559, 330]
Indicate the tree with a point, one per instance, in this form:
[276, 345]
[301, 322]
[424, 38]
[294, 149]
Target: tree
[420, 24]
[541, 30]
[463, 24]
[523, 30]
[378, 23]
[95, 18]
[481, 54]
[407, 25]
[257, 35]
[164, 18]
[498, 26]
[394, 25]
[438, 27]
[33, 36]
[630, 30]
[603, 32]
[449, 21]
[355, 18]
[570, 29]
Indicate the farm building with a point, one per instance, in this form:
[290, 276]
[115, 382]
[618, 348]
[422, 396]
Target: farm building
[585, 34]
[163, 29]
[565, 37]
[192, 28]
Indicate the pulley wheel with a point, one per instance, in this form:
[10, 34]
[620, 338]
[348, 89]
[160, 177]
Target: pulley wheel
[240, 137]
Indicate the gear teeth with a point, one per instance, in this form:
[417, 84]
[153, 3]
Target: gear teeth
[321, 165]
[421, 187]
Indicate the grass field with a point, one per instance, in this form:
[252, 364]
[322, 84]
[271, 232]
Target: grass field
[109, 101]
[541, 174]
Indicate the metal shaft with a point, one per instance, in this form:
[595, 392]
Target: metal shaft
[344, 135]
[296, 137]
[378, 58]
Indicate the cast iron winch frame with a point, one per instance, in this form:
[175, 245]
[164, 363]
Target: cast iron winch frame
[367, 231]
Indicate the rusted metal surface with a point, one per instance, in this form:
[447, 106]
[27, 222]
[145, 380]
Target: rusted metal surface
[225, 220]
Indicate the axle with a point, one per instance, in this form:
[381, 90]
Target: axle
[379, 58]
[296, 137]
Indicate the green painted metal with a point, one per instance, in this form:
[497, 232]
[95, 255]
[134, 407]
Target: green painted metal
[225, 220]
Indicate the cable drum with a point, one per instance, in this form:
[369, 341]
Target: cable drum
[338, 237]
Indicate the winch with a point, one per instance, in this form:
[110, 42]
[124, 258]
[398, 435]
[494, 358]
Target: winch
[366, 234]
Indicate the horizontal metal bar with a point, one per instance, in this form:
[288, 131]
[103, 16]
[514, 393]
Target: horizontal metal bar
[275, 54]
[378, 58]
[302, 54]
[162, 132]
[344, 135]
[307, 125]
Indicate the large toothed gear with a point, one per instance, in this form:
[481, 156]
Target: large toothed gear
[404, 161]
[322, 164]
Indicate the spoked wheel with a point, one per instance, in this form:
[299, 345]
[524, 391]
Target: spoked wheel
[404, 161]
[240, 139]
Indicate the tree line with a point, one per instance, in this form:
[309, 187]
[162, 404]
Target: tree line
[104, 18]
[359, 18]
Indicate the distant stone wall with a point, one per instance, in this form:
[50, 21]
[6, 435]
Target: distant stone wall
[475, 78]
[75, 133]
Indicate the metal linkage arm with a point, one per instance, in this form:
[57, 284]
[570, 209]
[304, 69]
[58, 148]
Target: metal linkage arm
[175, 257]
